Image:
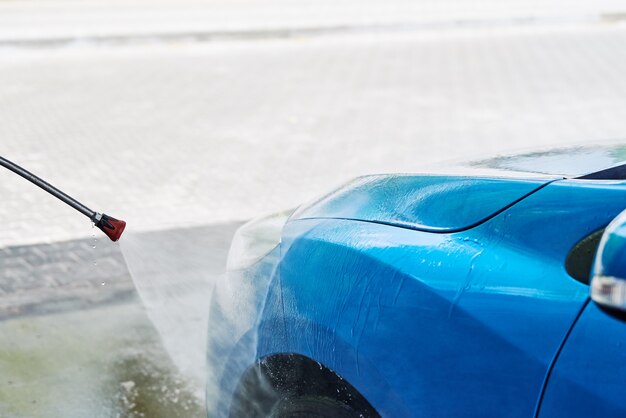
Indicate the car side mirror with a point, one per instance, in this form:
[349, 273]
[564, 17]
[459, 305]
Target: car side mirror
[608, 283]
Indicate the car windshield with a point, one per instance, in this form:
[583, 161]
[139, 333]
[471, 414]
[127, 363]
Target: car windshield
[567, 162]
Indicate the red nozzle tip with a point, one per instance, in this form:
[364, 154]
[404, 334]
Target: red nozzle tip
[112, 227]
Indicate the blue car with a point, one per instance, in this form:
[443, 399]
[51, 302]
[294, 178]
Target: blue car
[493, 295]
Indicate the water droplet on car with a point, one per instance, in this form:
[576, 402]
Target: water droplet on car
[103, 283]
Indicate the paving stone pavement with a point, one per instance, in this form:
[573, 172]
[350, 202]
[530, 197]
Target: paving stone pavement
[46, 278]
[59, 22]
[41, 279]
[186, 134]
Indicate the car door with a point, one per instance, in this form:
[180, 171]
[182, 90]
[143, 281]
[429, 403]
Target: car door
[589, 375]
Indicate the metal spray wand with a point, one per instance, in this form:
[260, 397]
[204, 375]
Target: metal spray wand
[112, 227]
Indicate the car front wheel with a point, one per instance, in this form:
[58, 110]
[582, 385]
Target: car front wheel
[294, 386]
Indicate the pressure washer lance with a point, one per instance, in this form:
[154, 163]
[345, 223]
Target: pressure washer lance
[112, 227]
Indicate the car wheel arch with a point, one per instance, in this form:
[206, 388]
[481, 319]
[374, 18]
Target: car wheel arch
[284, 376]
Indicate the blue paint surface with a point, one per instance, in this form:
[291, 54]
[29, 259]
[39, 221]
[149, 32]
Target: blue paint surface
[589, 377]
[425, 321]
[428, 203]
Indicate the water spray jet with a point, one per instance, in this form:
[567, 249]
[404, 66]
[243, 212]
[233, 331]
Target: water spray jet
[111, 227]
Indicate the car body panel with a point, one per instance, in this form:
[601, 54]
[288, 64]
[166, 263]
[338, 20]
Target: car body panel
[419, 316]
[452, 316]
[447, 324]
[589, 377]
[237, 317]
[426, 203]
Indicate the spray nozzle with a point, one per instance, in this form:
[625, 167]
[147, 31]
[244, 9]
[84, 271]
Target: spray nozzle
[112, 227]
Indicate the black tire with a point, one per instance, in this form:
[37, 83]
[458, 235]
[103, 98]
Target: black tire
[312, 407]
[294, 386]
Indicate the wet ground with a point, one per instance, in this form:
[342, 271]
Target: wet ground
[77, 340]
[107, 361]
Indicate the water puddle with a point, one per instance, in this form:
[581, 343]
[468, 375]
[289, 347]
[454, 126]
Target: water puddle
[103, 362]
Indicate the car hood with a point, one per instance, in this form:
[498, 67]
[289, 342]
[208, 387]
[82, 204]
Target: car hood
[450, 203]
[427, 203]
